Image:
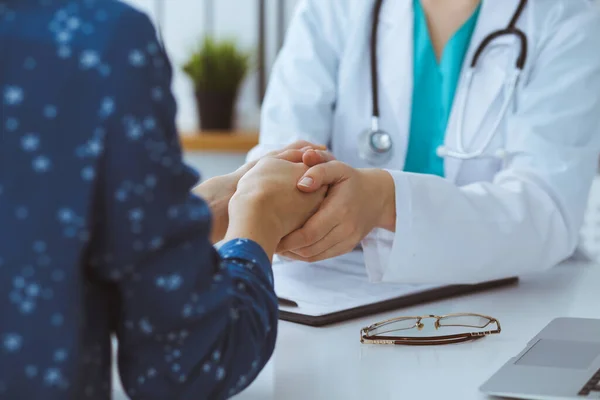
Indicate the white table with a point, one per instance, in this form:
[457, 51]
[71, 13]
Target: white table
[330, 363]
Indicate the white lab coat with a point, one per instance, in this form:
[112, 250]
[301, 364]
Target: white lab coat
[484, 220]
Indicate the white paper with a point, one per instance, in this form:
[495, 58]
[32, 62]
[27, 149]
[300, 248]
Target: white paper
[333, 285]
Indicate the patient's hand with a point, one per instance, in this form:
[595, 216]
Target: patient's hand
[267, 205]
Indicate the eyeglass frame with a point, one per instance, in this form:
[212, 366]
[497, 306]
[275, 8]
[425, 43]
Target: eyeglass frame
[428, 340]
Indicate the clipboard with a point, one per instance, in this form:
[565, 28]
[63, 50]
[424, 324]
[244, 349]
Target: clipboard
[338, 290]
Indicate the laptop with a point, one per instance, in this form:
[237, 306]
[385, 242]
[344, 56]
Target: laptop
[561, 362]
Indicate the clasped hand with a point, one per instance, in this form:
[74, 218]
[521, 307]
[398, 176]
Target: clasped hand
[356, 202]
[303, 204]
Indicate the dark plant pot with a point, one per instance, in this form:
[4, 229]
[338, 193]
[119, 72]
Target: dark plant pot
[215, 109]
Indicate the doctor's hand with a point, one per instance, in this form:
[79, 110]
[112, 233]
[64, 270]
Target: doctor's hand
[357, 201]
[267, 204]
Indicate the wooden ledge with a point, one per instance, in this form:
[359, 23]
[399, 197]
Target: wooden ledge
[234, 141]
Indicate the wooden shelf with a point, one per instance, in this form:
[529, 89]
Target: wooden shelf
[235, 141]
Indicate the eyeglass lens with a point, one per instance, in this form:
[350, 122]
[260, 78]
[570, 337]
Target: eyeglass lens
[405, 326]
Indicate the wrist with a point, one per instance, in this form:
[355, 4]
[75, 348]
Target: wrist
[382, 184]
[267, 243]
[217, 192]
[250, 218]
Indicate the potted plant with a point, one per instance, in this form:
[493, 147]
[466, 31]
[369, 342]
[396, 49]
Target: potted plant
[217, 69]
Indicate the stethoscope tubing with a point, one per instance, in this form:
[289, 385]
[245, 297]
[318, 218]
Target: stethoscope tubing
[460, 152]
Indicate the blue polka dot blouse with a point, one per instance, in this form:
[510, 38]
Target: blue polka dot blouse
[99, 234]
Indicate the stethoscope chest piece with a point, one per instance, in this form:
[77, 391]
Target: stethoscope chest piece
[375, 146]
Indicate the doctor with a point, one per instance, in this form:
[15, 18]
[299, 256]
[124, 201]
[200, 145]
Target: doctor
[466, 132]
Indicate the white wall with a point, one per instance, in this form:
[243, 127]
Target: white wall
[211, 164]
[183, 26]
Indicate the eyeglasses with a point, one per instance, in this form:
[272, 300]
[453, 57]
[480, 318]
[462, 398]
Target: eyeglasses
[472, 326]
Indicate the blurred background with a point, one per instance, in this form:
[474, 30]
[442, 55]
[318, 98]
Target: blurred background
[246, 34]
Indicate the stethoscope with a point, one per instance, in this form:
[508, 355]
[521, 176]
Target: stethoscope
[376, 145]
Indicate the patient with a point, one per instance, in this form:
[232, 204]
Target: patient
[99, 233]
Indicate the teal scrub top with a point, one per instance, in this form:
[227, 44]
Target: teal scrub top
[433, 92]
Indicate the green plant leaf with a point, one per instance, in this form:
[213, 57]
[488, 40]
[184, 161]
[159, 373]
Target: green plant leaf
[218, 66]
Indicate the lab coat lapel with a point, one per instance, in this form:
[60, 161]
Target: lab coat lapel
[395, 64]
[487, 85]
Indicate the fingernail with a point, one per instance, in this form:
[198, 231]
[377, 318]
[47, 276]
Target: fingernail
[306, 181]
[305, 148]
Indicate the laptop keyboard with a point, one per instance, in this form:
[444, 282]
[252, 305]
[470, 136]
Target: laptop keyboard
[592, 386]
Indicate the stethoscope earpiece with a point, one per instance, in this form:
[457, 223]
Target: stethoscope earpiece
[441, 152]
[501, 154]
